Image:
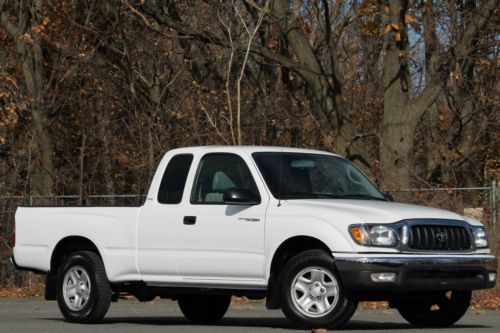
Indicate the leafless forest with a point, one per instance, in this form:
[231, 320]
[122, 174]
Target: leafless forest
[92, 93]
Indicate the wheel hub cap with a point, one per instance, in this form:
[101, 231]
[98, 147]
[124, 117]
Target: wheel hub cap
[82, 288]
[317, 291]
[76, 288]
[314, 291]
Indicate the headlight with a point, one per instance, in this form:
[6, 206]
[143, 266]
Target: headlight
[480, 238]
[382, 236]
[376, 235]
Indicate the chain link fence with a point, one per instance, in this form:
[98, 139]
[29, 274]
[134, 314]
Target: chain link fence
[481, 203]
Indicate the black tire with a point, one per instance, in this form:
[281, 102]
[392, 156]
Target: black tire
[97, 291]
[341, 308]
[204, 309]
[443, 310]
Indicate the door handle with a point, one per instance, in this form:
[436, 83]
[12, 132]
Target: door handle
[189, 220]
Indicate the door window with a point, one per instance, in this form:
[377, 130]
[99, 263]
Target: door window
[174, 179]
[217, 173]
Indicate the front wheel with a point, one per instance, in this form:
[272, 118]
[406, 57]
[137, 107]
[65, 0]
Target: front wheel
[442, 310]
[83, 290]
[312, 293]
[204, 309]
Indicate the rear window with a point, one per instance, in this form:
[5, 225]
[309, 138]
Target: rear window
[174, 179]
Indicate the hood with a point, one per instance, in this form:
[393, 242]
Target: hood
[371, 211]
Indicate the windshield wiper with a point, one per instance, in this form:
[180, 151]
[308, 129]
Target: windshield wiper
[300, 195]
[360, 196]
[307, 195]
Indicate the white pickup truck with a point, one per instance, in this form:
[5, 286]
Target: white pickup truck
[304, 229]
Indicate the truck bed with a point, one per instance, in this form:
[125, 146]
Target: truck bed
[113, 229]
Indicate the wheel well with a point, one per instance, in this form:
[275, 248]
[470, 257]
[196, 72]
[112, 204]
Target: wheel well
[287, 250]
[68, 245]
[292, 247]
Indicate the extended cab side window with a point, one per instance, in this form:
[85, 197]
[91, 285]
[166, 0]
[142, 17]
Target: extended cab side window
[174, 179]
[217, 173]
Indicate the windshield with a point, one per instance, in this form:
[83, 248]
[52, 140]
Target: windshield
[314, 176]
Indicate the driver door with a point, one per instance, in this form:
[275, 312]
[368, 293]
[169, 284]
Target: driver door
[220, 243]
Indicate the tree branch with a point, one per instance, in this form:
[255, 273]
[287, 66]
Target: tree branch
[9, 26]
[460, 51]
[205, 36]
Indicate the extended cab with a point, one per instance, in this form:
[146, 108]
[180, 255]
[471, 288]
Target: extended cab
[305, 229]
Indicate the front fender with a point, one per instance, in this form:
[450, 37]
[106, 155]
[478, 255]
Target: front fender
[282, 228]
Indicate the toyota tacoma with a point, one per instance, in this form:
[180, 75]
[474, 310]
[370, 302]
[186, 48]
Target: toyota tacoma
[304, 229]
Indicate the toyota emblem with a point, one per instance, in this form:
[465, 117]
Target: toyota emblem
[441, 236]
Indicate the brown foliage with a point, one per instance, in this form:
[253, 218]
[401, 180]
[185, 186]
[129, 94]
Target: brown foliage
[136, 80]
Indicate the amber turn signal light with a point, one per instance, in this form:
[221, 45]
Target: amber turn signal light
[359, 234]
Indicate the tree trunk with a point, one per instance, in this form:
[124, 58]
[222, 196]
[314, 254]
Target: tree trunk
[28, 45]
[330, 100]
[431, 128]
[464, 96]
[398, 125]
[107, 166]
[401, 115]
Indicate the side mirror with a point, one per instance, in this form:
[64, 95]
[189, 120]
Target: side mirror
[240, 196]
[389, 197]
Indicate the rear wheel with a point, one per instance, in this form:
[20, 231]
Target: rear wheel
[83, 290]
[312, 293]
[204, 309]
[443, 310]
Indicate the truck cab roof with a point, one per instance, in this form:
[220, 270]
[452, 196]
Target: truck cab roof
[247, 149]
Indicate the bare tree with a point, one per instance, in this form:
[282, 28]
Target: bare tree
[28, 43]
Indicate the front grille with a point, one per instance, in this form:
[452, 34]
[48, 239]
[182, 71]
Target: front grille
[439, 238]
